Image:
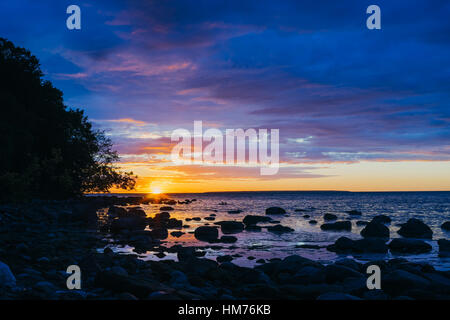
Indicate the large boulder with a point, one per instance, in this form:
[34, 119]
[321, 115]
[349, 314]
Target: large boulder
[399, 282]
[382, 219]
[337, 226]
[354, 212]
[409, 246]
[252, 220]
[205, 233]
[415, 228]
[444, 247]
[137, 211]
[337, 273]
[229, 227]
[329, 216]
[279, 229]
[375, 229]
[368, 245]
[446, 226]
[275, 210]
[7, 278]
[128, 223]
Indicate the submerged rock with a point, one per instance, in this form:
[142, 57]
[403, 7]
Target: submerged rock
[275, 210]
[229, 227]
[375, 229]
[207, 234]
[251, 219]
[279, 229]
[446, 226]
[409, 246]
[329, 216]
[354, 212]
[415, 228]
[337, 226]
[7, 278]
[382, 219]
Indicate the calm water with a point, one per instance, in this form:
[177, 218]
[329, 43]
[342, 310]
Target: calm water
[431, 207]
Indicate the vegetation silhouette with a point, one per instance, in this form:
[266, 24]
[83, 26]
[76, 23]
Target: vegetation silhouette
[48, 151]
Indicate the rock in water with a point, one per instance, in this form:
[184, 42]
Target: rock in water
[415, 228]
[279, 229]
[382, 219]
[444, 247]
[375, 229]
[275, 210]
[166, 209]
[354, 212]
[207, 234]
[329, 216]
[7, 278]
[446, 226]
[369, 245]
[409, 246]
[229, 227]
[337, 226]
[251, 220]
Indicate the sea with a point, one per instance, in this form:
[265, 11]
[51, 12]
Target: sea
[433, 208]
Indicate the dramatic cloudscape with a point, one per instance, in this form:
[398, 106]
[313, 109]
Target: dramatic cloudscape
[357, 109]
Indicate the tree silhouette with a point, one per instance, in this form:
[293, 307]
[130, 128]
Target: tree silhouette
[48, 150]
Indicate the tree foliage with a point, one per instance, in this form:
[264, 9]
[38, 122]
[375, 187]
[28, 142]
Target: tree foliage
[48, 150]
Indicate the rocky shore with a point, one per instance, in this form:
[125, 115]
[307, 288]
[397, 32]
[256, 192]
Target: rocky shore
[38, 241]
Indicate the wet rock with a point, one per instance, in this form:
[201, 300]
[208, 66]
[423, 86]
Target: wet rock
[228, 239]
[128, 223]
[159, 233]
[253, 228]
[7, 278]
[306, 216]
[337, 226]
[137, 211]
[312, 222]
[337, 296]
[210, 218]
[300, 210]
[415, 228]
[260, 261]
[382, 219]
[229, 227]
[279, 229]
[400, 281]
[275, 210]
[375, 229]
[234, 211]
[354, 212]
[409, 246]
[444, 248]
[166, 209]
[207, 234]
[446, 226]
[225, 258]
[177, 234]
[369, 245]
[252, 220]
[117, 211]
[329, 216]
[337, 273]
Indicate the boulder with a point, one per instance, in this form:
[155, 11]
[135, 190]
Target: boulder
[275, 210]
[368, 245]
[382, 219]
[312, 222]
[415, 228]
[159, 233]
[279, 229]
[128, 223]
[329, 216]
[400, 281]
[375, 229]
[166, 209]
[207, 234]
[7, 278]
[409, 246]
[252, 220]
[444, 246]
[354, 212]
[337, 226]
[117, 211]
[234, 211]
[228, 239]
[229, 227]
[137, 211]
[337, 273]
[446, 226]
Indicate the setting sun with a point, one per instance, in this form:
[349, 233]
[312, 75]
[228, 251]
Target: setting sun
[156, 190]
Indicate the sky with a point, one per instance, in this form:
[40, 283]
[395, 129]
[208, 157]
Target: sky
[356, 109]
